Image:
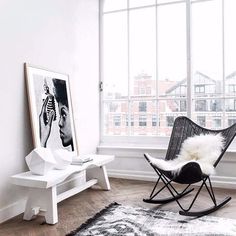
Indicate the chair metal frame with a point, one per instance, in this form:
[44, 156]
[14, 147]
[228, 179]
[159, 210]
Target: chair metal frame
[191, 172]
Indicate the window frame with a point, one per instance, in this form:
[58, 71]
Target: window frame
[190, 99]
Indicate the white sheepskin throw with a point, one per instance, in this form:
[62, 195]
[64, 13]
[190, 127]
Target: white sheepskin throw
[203, 149]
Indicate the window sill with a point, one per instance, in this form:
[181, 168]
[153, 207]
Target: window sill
[147, 143]
[127, 147]
[136, 151]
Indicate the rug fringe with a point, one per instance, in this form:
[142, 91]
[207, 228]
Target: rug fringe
[90, 220]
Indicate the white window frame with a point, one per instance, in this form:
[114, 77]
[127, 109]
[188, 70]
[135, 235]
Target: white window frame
[162, 140]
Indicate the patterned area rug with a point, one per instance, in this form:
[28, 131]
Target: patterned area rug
[136, 221]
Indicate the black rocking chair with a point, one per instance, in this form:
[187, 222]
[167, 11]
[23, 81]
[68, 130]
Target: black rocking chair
[191, 172]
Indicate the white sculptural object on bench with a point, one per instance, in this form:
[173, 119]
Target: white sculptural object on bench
[40, 161]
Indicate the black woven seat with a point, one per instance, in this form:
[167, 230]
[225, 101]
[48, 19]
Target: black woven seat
[191, 172]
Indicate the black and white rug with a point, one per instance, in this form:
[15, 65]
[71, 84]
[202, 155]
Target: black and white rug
[136, 221]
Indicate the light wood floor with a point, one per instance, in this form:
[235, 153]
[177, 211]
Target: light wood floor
[77, 209]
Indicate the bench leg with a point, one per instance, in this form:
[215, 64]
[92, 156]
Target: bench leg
[42, 200]
[29, 213]
[99, 173]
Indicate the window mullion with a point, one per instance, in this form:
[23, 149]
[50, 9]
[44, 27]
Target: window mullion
[189, 60]
[128, 68]
[157, 71]
[101, 65]
[223, 63]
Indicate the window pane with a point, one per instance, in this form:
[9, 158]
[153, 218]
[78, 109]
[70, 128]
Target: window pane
[115, 55]
[230, 84]
[168, 110]
[115, 118]
[142, 106]
[207, 48]
[201, 105]
[143, 118]
[230, 105]
[154, 120]
[209, 113]
[111, 5]
[213, 105]
[142, 51]
[230, 47]
[217, 122]
[230, 112]
[204, 86]
[138, 3]
[171, 49]
[231, 119]
[201, 119]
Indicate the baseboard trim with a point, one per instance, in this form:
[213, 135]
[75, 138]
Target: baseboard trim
[18, 207]
[130, 174]
[12, 210]
[217, 181]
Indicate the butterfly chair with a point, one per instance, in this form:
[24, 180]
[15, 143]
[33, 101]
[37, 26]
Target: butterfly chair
[190, 172]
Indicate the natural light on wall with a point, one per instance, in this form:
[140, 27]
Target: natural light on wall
[161, 59]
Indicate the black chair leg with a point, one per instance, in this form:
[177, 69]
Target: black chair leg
[167, 200]
[175, 195]
[167, 184]
[208, 210]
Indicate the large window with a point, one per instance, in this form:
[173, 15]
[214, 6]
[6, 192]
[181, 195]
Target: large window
[164, 58]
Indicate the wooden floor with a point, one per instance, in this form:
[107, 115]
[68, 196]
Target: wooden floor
[77, 209]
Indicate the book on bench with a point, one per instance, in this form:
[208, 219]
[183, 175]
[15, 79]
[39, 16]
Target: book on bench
[79, 160]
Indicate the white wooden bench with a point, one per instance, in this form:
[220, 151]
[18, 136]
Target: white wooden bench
[43, 196]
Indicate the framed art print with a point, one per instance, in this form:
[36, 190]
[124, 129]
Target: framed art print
[50, 109]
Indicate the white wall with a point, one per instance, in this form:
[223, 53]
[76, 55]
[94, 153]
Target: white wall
[60, 35]
[131, 164]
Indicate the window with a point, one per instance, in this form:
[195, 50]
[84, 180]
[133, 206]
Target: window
[183, 105]
[230, 105]
[232, 88]
[201, 105]
[132, 120]
[199, 88]
[117, 120]
[142, 120]
[216, 122]
[216, 105]
[142, 106]
[201, 120]
[113, 107]
[154, 120]
[170, 121]
[147, 60]
[127, 120]
[231, 121]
